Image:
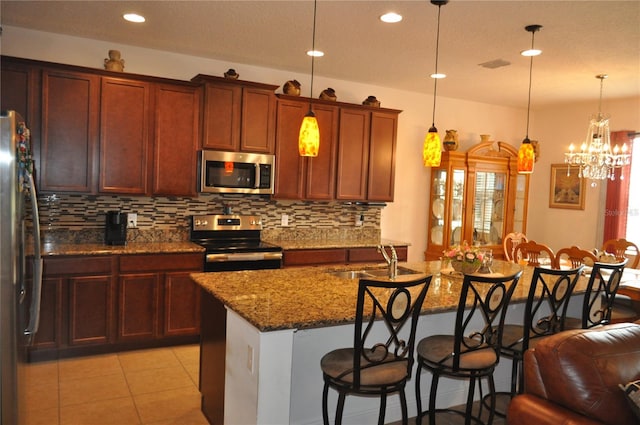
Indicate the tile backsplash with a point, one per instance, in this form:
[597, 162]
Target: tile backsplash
[80, 218]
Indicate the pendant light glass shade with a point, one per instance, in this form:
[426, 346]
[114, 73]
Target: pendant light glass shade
[309, 136]
[432, 148]
[526, 154]
[526, 157]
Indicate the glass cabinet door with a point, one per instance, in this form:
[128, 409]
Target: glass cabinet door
[457, 207]
[489, 208]
[519, 216]
[438, 198]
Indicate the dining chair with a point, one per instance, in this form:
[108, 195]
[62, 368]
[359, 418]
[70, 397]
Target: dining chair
[532, 253]
[472, 351]
[544, 315]
[382, 356]
[574, 257]
[511, 240]
[598, 299]
[623, 248]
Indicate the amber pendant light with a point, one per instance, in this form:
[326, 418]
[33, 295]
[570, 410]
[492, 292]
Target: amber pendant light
[309, 137]
[526, 154]
[432, 148]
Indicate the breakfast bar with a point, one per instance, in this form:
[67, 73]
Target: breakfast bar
[263, 334]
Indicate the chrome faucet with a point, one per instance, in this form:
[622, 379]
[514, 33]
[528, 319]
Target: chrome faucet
[392, 262]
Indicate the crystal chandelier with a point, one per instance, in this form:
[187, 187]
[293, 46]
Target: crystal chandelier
[596, 160]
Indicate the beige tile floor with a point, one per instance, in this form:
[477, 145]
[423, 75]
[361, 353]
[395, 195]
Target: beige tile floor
[146, 387]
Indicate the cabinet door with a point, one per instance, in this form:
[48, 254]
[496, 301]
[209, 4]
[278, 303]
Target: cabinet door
[177, 137]
[382, 156]
[49, 329]
[321, 170]
[353, 154]
[90, 310]
[70, 105]
[289, 178]
[19, 90]
[124, 136]
[257, 133]
[138, 301]
[181, 305]
[221, 120]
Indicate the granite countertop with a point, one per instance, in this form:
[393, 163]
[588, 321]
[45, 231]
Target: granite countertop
[334, 243]
[308, 297]
[56, 249]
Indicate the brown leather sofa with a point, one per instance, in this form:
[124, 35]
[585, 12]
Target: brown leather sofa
[572, 378]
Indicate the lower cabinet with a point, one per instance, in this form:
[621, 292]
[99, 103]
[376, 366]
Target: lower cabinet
[93, 304]
[314, 257]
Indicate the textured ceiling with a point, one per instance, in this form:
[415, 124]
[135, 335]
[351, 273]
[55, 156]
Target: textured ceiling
[579, 40]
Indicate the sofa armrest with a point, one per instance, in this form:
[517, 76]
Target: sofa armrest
[527, 409]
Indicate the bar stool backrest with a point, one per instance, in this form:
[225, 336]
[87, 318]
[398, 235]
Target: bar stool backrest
[481, 313]
[601, 292]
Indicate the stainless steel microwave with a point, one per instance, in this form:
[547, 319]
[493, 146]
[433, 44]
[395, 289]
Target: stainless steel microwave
[236, 172]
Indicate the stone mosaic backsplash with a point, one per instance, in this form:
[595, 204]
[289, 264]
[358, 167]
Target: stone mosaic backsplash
[80, 218]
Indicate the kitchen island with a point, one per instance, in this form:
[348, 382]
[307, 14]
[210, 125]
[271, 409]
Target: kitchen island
[263, 334]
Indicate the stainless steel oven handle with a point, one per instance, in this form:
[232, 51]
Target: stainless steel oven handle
[243, 256]
[257, 177]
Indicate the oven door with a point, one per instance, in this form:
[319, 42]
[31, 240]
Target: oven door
[220, 261]
[234, 172]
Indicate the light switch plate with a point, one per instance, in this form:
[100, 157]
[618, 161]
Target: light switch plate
[284, 220]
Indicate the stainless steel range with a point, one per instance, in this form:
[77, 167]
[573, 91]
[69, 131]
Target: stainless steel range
[232, 242]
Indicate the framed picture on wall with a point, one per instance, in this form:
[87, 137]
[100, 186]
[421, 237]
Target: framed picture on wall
[567, 189]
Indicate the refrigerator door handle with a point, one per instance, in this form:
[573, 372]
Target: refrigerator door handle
[34, 310]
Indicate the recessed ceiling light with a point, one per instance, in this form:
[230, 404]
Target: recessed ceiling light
[531, 52]
[391, 18]
[438, 76]
[315, 53]
[133, 17]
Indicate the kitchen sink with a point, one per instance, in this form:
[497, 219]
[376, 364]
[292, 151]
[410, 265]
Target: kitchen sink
[369, 273]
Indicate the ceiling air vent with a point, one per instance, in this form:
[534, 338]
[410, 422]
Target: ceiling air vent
[496, 63]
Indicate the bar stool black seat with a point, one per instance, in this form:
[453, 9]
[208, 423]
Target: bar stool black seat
[544, 315]
[473, 350]
[598, 300]
[382, 356]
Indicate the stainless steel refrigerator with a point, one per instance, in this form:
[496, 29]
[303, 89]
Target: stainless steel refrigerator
[20, 262]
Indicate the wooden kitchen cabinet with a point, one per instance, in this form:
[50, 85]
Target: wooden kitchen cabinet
[176, 139]
[478, 197]
[366, 154]
[238, 116]
[124, 136]
[315, 257]
[70, 131]
[20, 91]
[303, 177]
[77, 305]
[156, 296]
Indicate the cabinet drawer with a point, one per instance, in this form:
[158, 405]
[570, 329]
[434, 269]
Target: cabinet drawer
[78, 265]
[314, 256]
[160, 262]
[359, 255]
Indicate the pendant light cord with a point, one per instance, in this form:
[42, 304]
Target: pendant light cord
[435, 84]
[533, 35]
[313, 52]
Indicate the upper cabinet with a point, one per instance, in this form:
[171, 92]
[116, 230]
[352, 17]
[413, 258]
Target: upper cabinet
[477, 197]
[104, 132]
[238, 116]
[304, 177]
[356, 161]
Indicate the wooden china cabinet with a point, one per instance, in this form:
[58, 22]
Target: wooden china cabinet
[478, 197]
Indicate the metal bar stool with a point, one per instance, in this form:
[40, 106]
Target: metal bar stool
[381, 359]
[473, 351]
[544, 311]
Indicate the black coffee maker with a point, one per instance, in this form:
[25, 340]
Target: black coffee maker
[115, 229]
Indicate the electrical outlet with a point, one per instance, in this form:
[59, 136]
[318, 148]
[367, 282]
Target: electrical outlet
[284, 220]
[132, 220]
[359, 219]
[250, 358]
